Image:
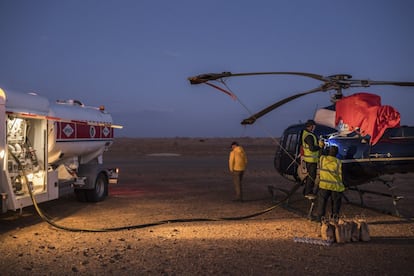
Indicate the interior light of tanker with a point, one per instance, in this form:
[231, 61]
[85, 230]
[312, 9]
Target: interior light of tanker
[1, 154]
[29, 177]
[16, 124]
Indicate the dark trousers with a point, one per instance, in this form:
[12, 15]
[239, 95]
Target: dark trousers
[323, 196]
[310, 179]
[237, 180]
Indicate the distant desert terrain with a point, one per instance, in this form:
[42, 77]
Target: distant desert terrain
[176, 196]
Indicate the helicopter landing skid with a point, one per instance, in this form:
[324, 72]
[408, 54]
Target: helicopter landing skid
[288, 193]
[312, 205]
[388, 183]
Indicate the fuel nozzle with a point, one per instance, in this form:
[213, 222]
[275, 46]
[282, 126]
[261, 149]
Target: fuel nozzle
[321, 142]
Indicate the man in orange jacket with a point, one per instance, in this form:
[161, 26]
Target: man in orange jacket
[237, 166]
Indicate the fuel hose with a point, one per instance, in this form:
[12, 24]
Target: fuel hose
[145, 225]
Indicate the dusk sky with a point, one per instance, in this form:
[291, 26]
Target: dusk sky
[134, 57]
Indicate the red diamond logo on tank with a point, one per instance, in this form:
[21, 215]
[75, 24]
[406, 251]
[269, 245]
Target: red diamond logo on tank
[106, 131]
[92, 131]
[68, 130]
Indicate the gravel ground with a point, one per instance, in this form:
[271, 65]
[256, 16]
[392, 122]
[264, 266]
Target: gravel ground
[168, 179]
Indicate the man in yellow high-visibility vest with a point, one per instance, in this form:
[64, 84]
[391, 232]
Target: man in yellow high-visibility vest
[311, 152]
[330, 183]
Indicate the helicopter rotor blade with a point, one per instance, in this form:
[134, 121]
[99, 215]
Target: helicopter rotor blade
[208, 77]
[367, 83]
[259, 114]
[215, 76]
[336, 82]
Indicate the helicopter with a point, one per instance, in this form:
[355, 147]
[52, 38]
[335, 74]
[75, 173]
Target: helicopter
[371, 142]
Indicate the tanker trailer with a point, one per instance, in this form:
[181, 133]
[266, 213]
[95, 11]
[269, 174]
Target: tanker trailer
[49, 149]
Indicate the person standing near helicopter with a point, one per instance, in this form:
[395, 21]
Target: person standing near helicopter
[237, 166]
[330, 183]
[311, 152]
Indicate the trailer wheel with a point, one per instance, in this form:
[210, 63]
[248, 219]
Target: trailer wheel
[101, 189]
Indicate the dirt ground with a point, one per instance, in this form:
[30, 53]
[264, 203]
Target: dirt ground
[175, 195]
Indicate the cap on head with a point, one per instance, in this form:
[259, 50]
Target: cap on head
[310, 123]
[333, 150]
[234, 144]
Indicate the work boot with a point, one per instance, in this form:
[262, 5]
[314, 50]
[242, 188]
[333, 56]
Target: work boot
[310, 196]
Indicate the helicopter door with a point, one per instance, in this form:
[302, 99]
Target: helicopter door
[286, 159]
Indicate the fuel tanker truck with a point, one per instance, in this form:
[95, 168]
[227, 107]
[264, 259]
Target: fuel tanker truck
[49, 149]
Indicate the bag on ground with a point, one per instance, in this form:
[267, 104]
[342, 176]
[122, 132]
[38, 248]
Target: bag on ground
[327, 231]
[363, 230]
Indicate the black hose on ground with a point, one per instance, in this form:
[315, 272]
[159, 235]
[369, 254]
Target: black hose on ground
[145, 225]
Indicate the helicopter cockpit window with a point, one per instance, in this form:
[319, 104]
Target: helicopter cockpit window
[291, 142]
[409, 132]
[393, 132]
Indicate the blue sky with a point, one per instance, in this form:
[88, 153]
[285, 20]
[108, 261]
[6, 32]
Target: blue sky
[134, 57]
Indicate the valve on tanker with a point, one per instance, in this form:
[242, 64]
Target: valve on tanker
[33, 157]
[17, 184]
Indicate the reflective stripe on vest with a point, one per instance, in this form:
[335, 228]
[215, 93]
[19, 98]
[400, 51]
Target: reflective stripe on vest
[308, 155]
[330, 174]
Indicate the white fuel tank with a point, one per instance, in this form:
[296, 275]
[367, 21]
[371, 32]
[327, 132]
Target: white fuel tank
[29, 103]
[78, 131]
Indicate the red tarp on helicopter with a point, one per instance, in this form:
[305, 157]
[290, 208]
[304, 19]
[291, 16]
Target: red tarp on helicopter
[364, 111]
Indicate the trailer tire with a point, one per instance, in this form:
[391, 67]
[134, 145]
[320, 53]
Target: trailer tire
[100, 191]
